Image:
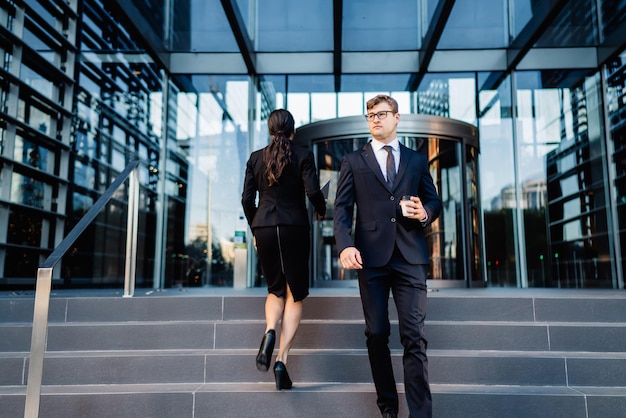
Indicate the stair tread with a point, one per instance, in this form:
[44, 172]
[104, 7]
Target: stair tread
[246, 352]
[314, 387]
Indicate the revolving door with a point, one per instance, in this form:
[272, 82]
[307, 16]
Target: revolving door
[454, 239]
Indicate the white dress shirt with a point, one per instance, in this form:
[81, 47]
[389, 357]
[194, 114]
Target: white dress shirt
[381, 154]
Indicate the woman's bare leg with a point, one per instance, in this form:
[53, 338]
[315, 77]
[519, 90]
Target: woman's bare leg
[274, 307]
[291, 321]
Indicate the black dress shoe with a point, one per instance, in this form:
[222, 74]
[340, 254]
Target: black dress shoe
[390, 413]
[265, 351]
[282, 377]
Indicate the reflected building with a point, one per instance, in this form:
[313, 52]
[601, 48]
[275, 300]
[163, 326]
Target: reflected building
[533, 195]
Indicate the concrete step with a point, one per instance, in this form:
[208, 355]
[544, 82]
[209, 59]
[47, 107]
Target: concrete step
[194, 335]
[311, 400]
[445, 367]
[492, 353]
[492, 305]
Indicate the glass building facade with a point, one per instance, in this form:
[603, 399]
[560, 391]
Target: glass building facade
[185, 87]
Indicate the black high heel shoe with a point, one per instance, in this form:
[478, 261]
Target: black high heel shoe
[282, 377]
[265, 351]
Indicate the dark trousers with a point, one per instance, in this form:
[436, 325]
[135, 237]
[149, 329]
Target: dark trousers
[407, 283]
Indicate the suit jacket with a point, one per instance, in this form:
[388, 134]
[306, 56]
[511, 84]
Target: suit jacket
[284, 203]
[379, 221]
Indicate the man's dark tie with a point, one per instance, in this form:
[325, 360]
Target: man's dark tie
[391, 165]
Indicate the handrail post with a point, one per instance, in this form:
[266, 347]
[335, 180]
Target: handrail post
[38, 342]
[131, 234]
[44, 279]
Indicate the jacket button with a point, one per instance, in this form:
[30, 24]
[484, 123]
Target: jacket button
[392, 198]
[393, 219]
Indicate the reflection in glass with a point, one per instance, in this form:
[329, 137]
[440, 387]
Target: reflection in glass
[616, 107]
[290, 26]
[564, 153]
[575, 25]
[368, 28]
[32, 154]
[25, 228]
[496, 179]
[475, 24]
[26, 190]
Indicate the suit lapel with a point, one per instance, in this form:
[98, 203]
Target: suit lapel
[368, 155]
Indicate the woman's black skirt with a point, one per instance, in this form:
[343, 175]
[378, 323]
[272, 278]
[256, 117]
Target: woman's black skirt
[283, 253]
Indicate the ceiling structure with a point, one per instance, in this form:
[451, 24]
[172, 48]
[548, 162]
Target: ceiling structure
[353, 40]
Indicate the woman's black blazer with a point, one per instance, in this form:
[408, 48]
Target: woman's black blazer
[284, 203]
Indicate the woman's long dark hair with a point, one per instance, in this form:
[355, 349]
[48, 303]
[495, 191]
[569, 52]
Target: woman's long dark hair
[278, 153]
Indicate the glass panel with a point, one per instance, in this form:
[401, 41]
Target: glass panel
[612, 15]
[25, 228]
[211, 146]
[247, 10]
[445, 235]
[616, 108]
[374, 82]
[84, 175]
[33, 155]
[28, 191]
[472, 206]
[575, 25]
[311, 83]
[368, 27]
[497, 179]
[521, 12]
[24, 263]
[106, 238]
[329, 155]
[44, 48]
[299, 105]
[323, 106]
[564, 208]
[351, 104]
[476, 24]
[201, 25]
[295, 26]
[448, 95]
[157, 12]
[81, 204]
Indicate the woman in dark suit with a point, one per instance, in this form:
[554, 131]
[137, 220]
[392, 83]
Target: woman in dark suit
[283, 174]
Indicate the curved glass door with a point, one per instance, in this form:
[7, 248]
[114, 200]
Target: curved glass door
[454, 239]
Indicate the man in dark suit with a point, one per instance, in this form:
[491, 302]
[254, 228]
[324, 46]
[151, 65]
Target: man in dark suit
[389, 250]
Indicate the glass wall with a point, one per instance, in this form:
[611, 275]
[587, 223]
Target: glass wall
[36, 122]
[497, 177]
[214, 139]
[85, 90]
[114, 103]
[615, 74]
[561, 180]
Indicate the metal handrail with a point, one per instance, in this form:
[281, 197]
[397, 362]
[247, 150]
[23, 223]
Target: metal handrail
[44, 278]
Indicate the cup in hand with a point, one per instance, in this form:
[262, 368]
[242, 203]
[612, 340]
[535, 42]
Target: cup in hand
[406, 211]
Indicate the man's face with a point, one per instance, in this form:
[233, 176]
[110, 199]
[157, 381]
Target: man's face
[383, 125]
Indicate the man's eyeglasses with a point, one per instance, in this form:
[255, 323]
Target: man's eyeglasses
[381, 115]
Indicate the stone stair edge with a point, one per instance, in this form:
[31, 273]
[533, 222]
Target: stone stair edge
[297, 352]
[316, 387]
[351, 292]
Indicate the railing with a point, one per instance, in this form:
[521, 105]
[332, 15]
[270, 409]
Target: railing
[44, 278]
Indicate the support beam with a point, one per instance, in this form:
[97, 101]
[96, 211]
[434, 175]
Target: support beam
[238, 26]
[430, 41]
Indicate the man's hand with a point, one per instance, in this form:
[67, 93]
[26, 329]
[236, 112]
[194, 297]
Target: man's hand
[415, 209]
[350, 258]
